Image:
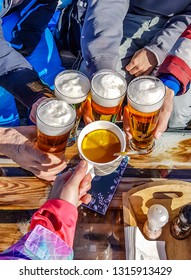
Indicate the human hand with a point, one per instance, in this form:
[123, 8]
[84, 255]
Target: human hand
[165, 113]
[87, 112]
[19, 144]
[164, 116]
[73, 186]
[142, 63]
[32, 115]
[126, 126]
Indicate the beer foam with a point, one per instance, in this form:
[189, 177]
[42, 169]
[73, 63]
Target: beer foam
[72, 87]
[146, 91]
[109, 86]
[55, 117]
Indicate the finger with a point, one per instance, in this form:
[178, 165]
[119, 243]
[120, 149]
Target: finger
[44, 176]
[59, 183]
[145, 72]
[79, 173]
[86, 119]
[43, 158]
[33, 111]
[141, 72]
[35, 153]
[85, 185]
[47, 175]
[165, 114]
[126, 118]
[162, 124]
[63, 177]
[29, 132]
[126, 126]
[130, 66]
[135, 70]
[85, 199]
[52, 169]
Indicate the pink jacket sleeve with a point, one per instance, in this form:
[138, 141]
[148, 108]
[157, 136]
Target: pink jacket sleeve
[59, 216]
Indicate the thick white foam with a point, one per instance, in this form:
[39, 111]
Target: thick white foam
[108, 88]
[72, 86]
[146, 94]
[55, 117]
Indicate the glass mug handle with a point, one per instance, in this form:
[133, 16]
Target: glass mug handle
[90, 170]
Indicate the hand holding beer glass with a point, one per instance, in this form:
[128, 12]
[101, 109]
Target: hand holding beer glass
[55, 119]
[108, 90]
[73, 87]
[145, 96]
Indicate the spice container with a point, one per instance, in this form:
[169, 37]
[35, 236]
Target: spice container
[181, 226]
[157, 217]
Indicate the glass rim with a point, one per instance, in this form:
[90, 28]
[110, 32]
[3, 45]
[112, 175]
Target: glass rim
[113, 72]
[77, 72]
[55, 126]
[79, 144]
[145, 77]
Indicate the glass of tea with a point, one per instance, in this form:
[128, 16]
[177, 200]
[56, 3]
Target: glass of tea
[98, 142]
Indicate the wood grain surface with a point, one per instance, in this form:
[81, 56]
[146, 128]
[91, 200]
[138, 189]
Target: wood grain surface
[97, 236]
[173, 195]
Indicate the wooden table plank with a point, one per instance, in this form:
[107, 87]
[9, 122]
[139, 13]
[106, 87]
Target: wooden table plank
[23, 192]
[172, 151]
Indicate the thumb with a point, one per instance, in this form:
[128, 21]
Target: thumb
[79, 173]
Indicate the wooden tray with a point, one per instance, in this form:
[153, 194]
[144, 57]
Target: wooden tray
[172, 194]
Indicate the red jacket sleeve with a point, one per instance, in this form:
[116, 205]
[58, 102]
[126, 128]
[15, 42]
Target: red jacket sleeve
[59, 216]
[178, 61]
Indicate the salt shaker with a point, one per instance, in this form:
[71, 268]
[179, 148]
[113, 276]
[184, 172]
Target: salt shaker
[157, 217]
[180, 227]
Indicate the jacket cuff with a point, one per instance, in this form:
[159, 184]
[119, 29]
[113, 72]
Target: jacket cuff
[59, 216]
[170, 82]
[25, 85]
[158, 51]
[175, 66]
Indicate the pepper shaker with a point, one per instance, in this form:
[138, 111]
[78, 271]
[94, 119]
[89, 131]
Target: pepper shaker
[157, 217]
[180, 227]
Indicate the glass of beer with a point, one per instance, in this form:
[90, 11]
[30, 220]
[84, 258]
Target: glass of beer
[55, 119]
[145, 96]
[73, 87]
[98, 142]
[108, 89]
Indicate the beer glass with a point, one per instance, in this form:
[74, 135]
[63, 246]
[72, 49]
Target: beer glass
[108, 89]
[55, 119]
[145, 96]
[73, 87]
[98, 142]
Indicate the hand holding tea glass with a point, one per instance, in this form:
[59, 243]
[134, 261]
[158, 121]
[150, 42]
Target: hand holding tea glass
[73, 87]
[145, 96]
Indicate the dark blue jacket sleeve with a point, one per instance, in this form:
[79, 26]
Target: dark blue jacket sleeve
[35, 16]
[18, 77]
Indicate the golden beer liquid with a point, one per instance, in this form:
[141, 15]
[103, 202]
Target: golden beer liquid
[142, 126]
[100, 145]
[105, 113]
[52, 144]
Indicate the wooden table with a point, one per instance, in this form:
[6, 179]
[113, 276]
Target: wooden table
[97, 236]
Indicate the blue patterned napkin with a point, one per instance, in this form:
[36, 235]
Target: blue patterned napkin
[104, 187]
